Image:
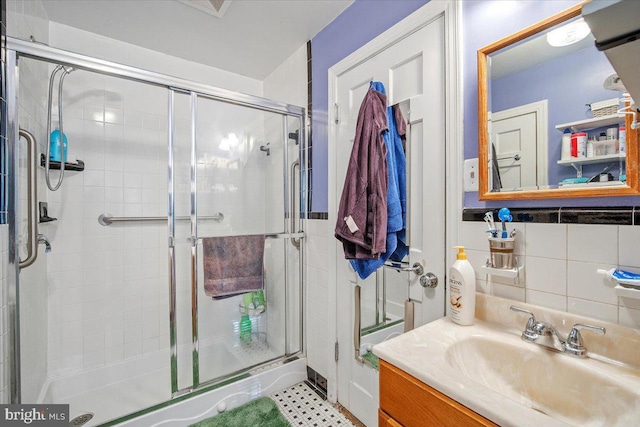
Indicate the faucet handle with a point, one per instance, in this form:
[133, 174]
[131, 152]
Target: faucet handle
[529, 333]
[574, 345]
[522, 310]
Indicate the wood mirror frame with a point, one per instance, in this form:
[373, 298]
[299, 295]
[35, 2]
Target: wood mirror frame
[631, 189]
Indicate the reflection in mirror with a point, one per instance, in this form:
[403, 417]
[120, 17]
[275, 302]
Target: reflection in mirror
[550, 115]
[383, 304]
[538, 85]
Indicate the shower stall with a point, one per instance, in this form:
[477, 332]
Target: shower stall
[115, 320]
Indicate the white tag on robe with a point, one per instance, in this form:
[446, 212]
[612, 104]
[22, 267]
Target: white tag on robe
[351, 224]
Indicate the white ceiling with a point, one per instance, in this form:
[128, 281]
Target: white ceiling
[252, 38]
[531, 52]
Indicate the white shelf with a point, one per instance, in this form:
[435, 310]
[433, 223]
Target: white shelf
[593, 160]
[504, 272]
[596, 122]
[592, 184]
[621, 291]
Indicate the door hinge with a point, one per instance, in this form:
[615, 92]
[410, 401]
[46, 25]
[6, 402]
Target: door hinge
[336, 351]
[336, 112]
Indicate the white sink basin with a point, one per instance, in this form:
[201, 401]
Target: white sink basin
[514, 383]
[577, 392]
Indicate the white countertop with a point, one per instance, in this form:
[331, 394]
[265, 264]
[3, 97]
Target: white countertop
[423, 353]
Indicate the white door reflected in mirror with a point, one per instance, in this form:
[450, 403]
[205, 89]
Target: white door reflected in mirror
[519, 138]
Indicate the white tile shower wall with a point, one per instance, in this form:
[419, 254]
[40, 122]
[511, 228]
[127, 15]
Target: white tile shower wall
[560, 262]
[108, 295]
[288, 83]
[27, 19]
[107, 285]
[319, 349]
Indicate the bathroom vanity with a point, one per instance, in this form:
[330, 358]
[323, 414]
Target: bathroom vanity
[486, 375]
[407, 401]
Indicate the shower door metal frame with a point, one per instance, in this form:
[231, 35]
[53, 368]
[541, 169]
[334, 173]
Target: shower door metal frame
[13, 282]
[292, 232]
[17, 48]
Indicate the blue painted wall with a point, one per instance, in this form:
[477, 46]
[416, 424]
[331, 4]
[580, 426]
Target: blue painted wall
[360, 23]
[483, 23]
[568, 83]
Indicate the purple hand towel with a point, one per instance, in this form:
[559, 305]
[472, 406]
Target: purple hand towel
[233, 265]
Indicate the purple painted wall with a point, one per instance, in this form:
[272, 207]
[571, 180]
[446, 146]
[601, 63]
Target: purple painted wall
[568, 83]
[356, 26]
[483, 23]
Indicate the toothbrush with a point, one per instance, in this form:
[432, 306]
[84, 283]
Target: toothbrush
[504, 215]
[486, 219]
[489, 217]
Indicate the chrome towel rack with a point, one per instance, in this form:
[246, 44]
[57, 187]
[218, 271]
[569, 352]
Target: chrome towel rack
[107, 219]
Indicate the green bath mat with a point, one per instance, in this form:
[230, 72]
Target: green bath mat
[261, 412]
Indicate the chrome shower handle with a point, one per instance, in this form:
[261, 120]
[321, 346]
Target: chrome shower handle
[295, 241]
[32, 200]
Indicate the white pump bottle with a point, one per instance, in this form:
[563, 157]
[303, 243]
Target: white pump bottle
[461, 292]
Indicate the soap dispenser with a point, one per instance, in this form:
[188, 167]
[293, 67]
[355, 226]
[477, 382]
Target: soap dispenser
[461, 292]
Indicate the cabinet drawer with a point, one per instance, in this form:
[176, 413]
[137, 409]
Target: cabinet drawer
[411, 403]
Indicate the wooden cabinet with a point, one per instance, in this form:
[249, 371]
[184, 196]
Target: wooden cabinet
[384, 420]
[407, 401]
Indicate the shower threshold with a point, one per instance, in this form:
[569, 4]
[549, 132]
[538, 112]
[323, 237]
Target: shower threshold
[131, 386]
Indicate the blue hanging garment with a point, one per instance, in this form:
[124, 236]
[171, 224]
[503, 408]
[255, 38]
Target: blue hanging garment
[396, 248]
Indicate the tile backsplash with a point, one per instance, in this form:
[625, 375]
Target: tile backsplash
[560, 267]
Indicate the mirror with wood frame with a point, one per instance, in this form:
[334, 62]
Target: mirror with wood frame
[551, 116]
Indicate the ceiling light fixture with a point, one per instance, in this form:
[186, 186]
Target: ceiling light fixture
[568, 34]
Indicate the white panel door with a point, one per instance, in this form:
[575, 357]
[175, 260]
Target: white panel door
[412, 71]
[514, 139]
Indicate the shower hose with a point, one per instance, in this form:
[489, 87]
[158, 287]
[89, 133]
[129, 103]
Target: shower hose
[47, 169]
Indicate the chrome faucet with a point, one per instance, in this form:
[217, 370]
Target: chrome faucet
[547, 335]
[43, 239]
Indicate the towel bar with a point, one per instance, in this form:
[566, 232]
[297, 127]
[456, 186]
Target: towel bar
[298, 235]
[106, 219]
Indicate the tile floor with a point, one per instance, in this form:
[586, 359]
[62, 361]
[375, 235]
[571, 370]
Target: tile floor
[302, 406]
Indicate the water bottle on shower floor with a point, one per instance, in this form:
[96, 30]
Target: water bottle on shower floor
[57, 151]
[245, 329]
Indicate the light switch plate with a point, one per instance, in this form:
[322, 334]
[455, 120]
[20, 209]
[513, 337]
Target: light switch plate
[471, 174]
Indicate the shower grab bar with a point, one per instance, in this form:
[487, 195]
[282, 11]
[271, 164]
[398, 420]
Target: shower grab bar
[106, 219]
[292, 197]
[32, 200]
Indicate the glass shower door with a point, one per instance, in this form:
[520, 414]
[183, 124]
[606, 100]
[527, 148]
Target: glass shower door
[238, 168]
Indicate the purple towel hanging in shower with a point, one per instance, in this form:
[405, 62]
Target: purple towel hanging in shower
[233, 265]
